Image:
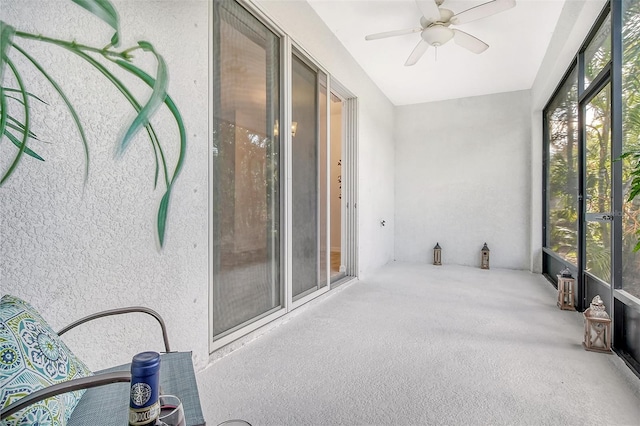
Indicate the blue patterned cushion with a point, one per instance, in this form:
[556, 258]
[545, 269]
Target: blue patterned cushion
[32, 357]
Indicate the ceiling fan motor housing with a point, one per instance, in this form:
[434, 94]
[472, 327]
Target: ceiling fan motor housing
[445, 17]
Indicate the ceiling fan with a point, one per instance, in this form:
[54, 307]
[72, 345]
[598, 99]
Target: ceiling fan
[435, 26]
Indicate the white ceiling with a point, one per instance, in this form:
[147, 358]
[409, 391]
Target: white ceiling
[518, 39]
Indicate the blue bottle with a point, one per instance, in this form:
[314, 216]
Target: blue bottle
[144, 404]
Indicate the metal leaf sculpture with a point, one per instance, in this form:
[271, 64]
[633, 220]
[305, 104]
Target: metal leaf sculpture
[17, 128]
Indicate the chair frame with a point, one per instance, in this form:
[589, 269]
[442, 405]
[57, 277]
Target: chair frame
[89, 381]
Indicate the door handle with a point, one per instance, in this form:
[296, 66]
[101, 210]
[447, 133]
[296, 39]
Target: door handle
[599, 217]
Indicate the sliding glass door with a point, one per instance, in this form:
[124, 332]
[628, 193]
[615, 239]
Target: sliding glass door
[246, 170]
[283, 172]
[309, 178]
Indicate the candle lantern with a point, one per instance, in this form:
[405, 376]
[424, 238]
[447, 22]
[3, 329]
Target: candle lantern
[485, 257]
[437, 255]
[597, 327]
[566, 285]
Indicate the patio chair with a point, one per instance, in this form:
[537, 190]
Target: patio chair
[83, 398]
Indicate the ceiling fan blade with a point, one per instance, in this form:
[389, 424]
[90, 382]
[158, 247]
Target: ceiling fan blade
[482, 11]
[469, 42]
[417, 53]
[429, 10]
[392, 33]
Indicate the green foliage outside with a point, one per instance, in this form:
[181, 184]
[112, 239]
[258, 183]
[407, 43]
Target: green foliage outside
[631, 147]
[562, 120]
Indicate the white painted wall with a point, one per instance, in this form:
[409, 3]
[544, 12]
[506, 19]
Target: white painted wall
[72, 250]
[462, 179]
[376, 138]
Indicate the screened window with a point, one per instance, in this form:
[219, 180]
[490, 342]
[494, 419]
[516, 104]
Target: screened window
[631, 142]
[562, 171]
[598, 53]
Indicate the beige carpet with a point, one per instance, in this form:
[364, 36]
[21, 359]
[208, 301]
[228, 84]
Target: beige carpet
[425, 345]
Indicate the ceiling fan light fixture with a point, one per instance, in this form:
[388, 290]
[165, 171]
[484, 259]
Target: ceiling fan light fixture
[437, 35]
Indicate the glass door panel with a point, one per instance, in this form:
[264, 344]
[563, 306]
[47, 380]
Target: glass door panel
[599, 253]
[323, 168]
[598, 213]
[305, 179]
[245, 186]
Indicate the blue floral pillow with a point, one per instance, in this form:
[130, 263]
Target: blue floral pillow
[32, 357]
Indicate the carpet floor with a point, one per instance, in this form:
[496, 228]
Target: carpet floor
[416, 344]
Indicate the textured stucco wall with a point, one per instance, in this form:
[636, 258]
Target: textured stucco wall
[376, 138]
[462, 179]
[71, 249]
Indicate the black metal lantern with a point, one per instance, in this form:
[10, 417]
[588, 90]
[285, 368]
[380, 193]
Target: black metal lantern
[437, 255]
[484, 264]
